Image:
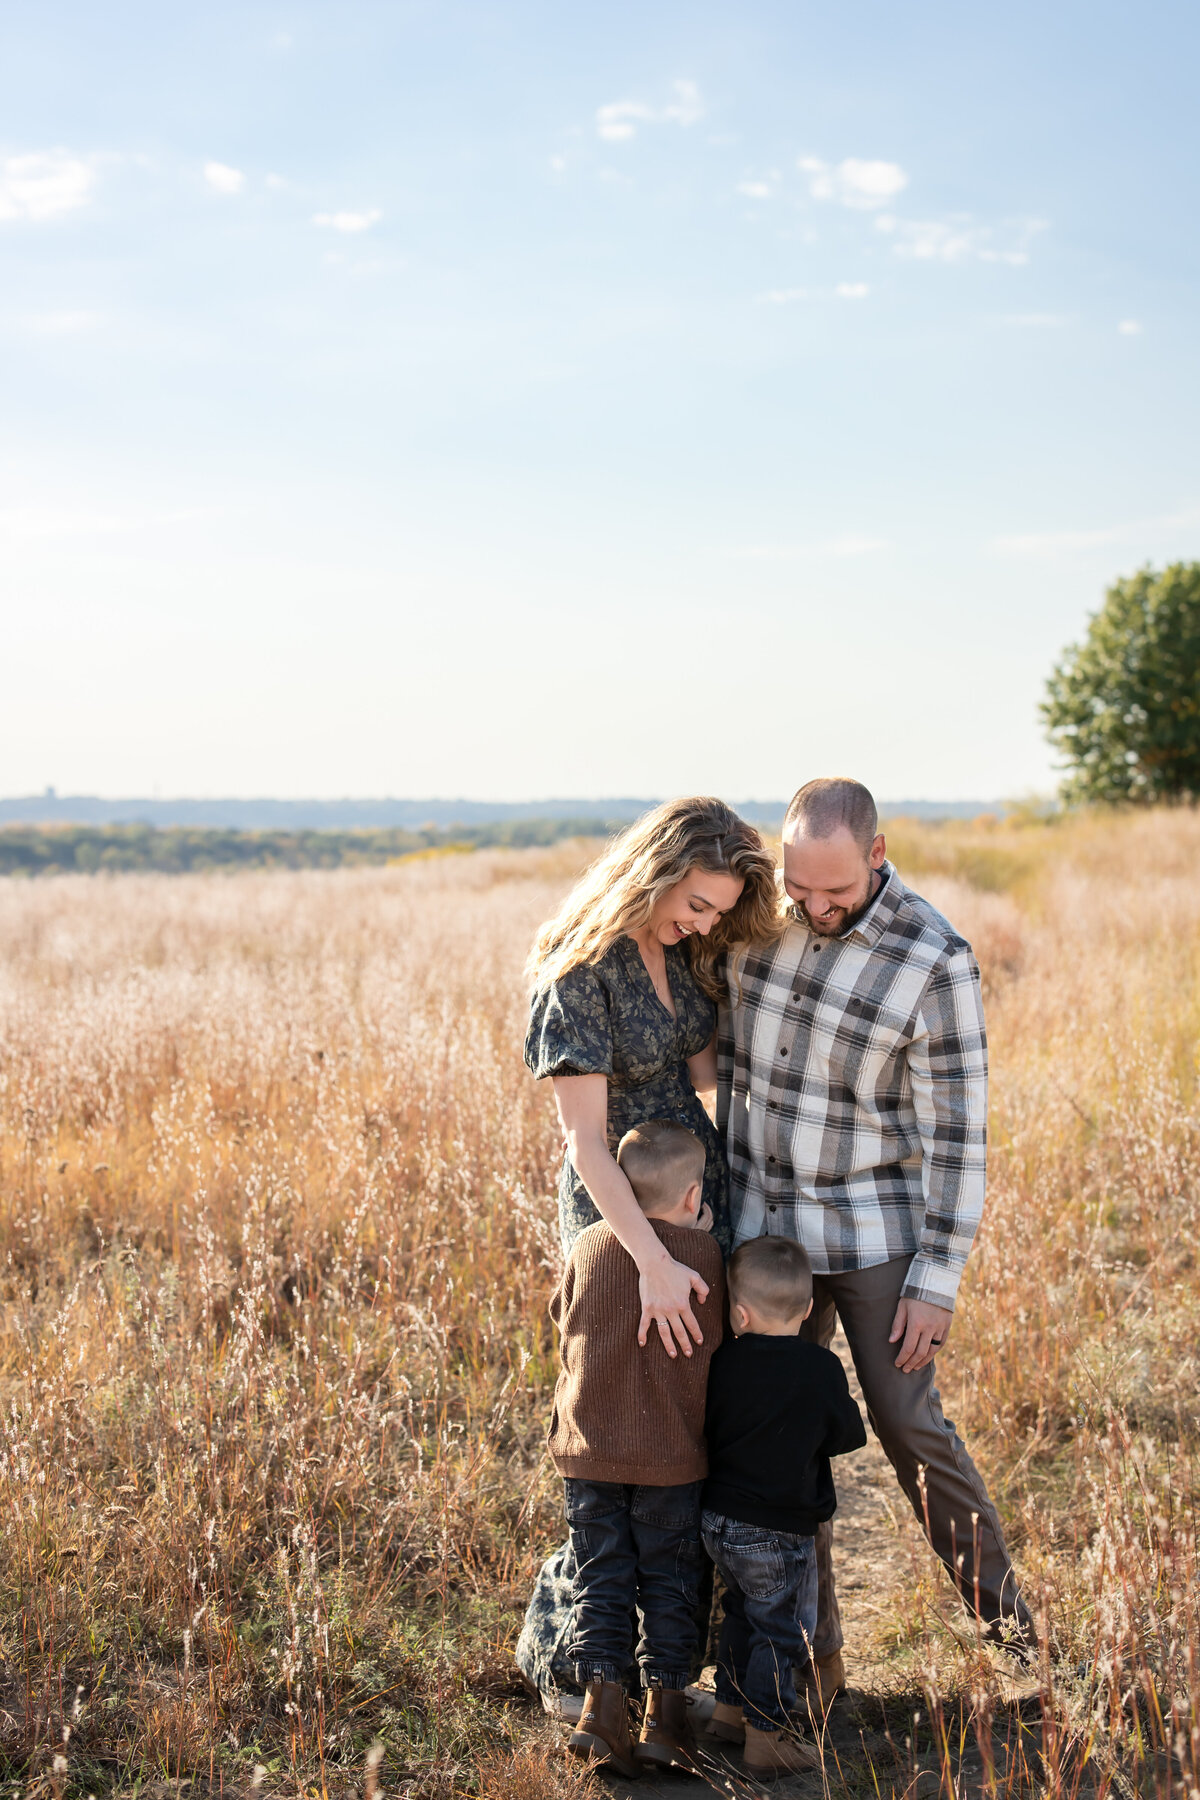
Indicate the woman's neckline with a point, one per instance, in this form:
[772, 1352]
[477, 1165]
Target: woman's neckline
[671, 1011]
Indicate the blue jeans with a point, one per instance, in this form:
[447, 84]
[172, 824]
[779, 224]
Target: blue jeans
[635, 1548]
[770, 1580]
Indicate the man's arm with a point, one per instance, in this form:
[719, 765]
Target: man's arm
[947, 1062]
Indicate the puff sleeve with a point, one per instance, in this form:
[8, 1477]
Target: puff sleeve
[570, 1027]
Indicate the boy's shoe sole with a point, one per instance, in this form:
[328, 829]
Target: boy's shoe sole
[594, 1749]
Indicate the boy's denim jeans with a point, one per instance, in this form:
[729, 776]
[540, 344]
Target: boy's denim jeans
[770, 1580]
[634, 1548]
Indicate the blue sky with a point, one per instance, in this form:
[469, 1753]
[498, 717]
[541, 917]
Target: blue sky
[521, 399]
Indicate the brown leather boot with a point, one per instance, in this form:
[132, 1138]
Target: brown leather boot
[770, 1754]
[667, 1738]
[824, 1679]
[603, 1729]
[727, 1723]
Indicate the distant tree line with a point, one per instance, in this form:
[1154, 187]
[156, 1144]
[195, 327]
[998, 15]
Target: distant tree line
[92, 849]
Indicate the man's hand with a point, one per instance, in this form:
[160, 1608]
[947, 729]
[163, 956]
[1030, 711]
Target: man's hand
[666, 1292]
[924, 1329]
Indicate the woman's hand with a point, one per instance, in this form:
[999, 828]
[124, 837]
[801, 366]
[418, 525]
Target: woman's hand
[666, 1287]
[666, 1290]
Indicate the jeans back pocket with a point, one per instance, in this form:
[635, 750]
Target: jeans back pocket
[755, 1559]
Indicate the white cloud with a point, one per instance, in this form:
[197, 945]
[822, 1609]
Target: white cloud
[755, 190]
[43, 184]
[619, 120]
[1051, 543]
[855, 182]
[957, 239]
[1130, 328]
[845, 290]
[837, 548]
[60, 323]
[276, 181]
[223, 179]
[48, 522]
[558, 164]
[347, 221]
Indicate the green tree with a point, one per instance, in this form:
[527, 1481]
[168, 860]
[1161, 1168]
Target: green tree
[1123, 707]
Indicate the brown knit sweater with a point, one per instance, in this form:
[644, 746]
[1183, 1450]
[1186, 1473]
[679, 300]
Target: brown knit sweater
[623, 1412]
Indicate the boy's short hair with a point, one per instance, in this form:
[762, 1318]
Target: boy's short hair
[660, 1161]
[773, 1275]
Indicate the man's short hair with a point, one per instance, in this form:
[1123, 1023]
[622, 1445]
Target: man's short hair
[822, 807]
[660, 1161]
[773, 1275]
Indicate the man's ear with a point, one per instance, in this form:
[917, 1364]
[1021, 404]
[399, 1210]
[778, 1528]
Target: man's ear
[878, 851]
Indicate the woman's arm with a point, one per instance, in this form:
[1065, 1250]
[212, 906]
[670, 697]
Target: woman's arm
[702, 1071]
[666, 1286]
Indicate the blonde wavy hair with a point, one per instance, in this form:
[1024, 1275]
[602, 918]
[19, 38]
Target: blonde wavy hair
[619, 892]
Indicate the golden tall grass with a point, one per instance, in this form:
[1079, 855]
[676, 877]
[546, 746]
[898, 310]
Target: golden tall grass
[278, 1237]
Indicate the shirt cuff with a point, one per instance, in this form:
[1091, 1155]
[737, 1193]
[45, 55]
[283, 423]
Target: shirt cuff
[931, 1281]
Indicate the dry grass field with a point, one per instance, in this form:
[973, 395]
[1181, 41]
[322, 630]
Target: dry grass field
[278, 1237]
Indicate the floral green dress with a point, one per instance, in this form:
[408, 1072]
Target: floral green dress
[605, 1018]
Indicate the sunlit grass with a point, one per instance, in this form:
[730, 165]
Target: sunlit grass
[278, 1238]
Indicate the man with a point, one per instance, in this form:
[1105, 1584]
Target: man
[854, 1102]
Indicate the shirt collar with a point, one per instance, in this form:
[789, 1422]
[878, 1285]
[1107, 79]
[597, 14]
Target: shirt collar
[879, 914]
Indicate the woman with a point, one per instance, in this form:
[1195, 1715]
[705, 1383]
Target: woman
[623, 1021]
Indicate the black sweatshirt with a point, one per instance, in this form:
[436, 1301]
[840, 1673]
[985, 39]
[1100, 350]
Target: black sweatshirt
[778, 1409]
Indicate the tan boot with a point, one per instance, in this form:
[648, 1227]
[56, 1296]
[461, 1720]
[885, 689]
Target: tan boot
[603, 1730]
[728, 1723]
[770, 1754]
[667, 1738]
[824, 1679]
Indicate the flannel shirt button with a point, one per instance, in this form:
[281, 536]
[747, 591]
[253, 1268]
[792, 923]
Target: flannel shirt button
[771, 1207]
[772, 1106]
[770, 1159]
[783, 1053]
[816, 948]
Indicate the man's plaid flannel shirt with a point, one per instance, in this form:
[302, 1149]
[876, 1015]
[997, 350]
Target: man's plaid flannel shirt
[853, 1092]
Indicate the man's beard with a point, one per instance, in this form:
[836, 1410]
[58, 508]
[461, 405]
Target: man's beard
[845, 919]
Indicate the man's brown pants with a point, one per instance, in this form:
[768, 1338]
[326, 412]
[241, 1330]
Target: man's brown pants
[906, 1416]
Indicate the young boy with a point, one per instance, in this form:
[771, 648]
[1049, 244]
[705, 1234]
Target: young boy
[778, 1409]
[627, 1437]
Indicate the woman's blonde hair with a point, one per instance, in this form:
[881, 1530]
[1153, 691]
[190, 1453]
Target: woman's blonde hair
[620, 891]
